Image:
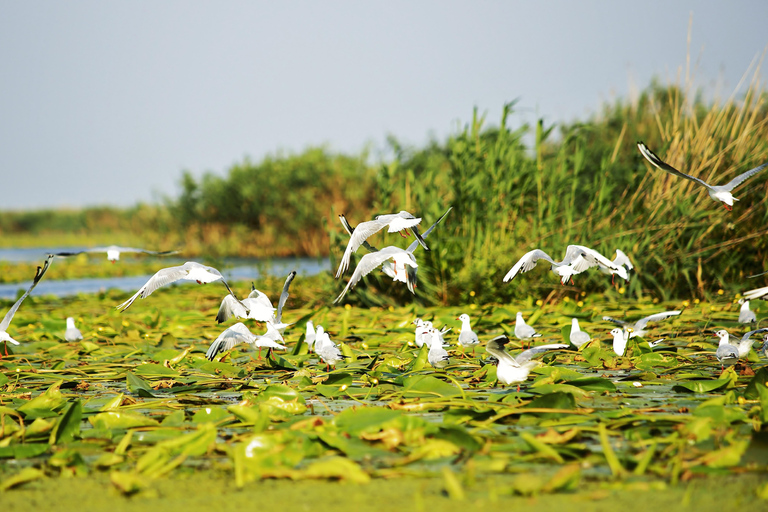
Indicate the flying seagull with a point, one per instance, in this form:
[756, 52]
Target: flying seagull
[388, 267]
[113, 252]
[394, 222]
[4, 336]
[717, 192]
[190, 271]
[400, 258]
[638, 328]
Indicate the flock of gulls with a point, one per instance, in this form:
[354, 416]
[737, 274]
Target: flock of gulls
[401, 265]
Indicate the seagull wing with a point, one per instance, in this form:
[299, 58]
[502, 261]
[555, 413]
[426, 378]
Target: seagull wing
[757, 293]
[622, 259]
[231, 307]
[228, 339]
[39, 273]
[660, 164]
[161, 278]
[284, 296]
[526, 263]
[495, 347]
[366, 265]
[359, 235]
[640, 324]
[526, 355]
[416, 243]
[750, 333]
[349, 229]
[616, 321]
[738, 180]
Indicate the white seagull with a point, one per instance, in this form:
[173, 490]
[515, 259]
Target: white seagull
[256, 306]
[638, 328]
[514, 370]
[388, 267]
[720, 193]
[327, 349]
[726, 353]
[4, 336]
[113, 252]
[311, 335]
[437, 355]
[370, 261]
[578, 258]
[394, 221]
[72, 333]
[621, 260]
[523, 331]
[422, 332]
[235, 335]
[620, 338]
[190, 271]
[577, 336]
[743, 345]
[467, 337]
[746, 315]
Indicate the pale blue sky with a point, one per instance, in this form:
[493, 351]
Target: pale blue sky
[106, 102]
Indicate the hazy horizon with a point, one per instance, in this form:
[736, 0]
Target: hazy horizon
[107, 103]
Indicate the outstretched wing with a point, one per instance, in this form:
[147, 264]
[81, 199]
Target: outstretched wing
[416, 243]
[349, 229]
[757, 293]
[39, 273]
[622, 259]
[750, 333]
[640, 324]
[284, 296]
[738, 180]
[660, 164]
[616, 321]
[161, 278]
[366, 265]
[526, 355]
[231, 307]
[495, 347]
[526, 263]
[359, 235]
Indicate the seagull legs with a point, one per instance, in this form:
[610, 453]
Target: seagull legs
[729, 208]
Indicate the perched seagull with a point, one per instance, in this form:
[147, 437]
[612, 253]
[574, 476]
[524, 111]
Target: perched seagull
[717, 192]
[764, 350]
[4, 336]
[514, 370]
[757, 293]
[743, 345]
[620, 338]
[467, 337]
[746, 315]
[388, 267]
[578, 337]
[311, 335]
[726, 353]
[638, 328]
[190, 271]
[437, 355]
[329, 353]
[256, 306]
[113, 252]
[621, 260]
[578, 258]
[235, 335]
[72, 333]
[523, 331]
[422, 332]
[394, 221]
[370, 261]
